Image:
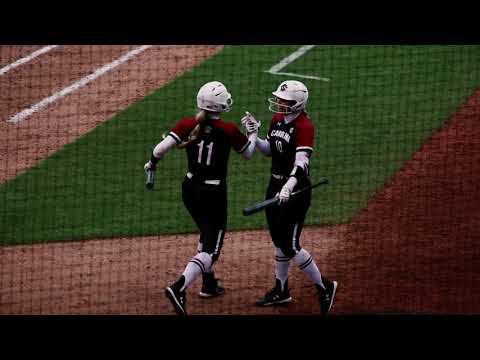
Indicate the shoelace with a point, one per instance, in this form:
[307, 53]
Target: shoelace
[324, 295]
[181, 298]
[212, 284]
[272, 293]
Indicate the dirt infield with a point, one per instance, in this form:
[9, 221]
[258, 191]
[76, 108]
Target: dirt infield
[411, 250]
[414, 248]
[128, 275]
[24, 144]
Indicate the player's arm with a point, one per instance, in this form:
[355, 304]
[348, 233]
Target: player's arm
[263, 145]
[252, 125]
[299, 173]
[250, 150]
[243, 144]
[159, 152]
[301, 166]
[174, 138]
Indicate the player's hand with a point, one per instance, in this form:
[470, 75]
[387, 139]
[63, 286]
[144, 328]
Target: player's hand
[250, 123]
[149, 166]
[284, 195]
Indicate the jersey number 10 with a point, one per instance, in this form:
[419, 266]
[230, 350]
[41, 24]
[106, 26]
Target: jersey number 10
[200, 151]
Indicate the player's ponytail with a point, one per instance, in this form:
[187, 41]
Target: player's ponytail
[201, 116]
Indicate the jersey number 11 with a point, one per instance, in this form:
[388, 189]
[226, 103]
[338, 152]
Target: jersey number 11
[200, 151]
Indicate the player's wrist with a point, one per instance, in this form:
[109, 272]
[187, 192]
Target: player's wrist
[154, 160]
[291, 183]
[253, 137]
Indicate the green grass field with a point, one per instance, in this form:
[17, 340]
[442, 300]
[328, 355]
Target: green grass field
[381, 104]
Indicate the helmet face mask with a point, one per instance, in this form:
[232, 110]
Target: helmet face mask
[214, 97]
[281, 106]
[290, 97]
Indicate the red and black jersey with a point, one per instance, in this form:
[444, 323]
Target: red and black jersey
[208, 154]
[286, 139]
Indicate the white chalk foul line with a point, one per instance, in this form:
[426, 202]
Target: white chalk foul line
[290, 58]
[275, 70]
[303, 76]
[26, 59]
[77, 85]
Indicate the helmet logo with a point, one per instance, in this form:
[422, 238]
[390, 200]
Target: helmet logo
[283, 87]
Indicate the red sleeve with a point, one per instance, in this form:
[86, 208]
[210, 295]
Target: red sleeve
[182, 129]
[305, 135]
[238, 140]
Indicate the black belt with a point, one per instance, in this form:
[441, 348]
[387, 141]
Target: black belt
[206, 181]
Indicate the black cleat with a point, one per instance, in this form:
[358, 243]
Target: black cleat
[327, 295]
[276, 296]
[178, 300]
[211, 287]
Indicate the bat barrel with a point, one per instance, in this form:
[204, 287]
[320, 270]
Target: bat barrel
[259, 207]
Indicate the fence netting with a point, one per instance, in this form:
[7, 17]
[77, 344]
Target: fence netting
[397, 136]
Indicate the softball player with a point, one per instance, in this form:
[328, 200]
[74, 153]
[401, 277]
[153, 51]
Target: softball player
[207, 140]
[289, 143]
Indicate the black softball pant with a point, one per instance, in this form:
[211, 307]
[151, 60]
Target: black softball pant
[207, 205]
[285, 222]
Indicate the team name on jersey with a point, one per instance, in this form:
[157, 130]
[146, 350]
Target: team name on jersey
[281, 134]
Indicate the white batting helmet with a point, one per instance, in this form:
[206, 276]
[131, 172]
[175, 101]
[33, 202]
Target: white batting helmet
[290, 90]
[213, 96]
